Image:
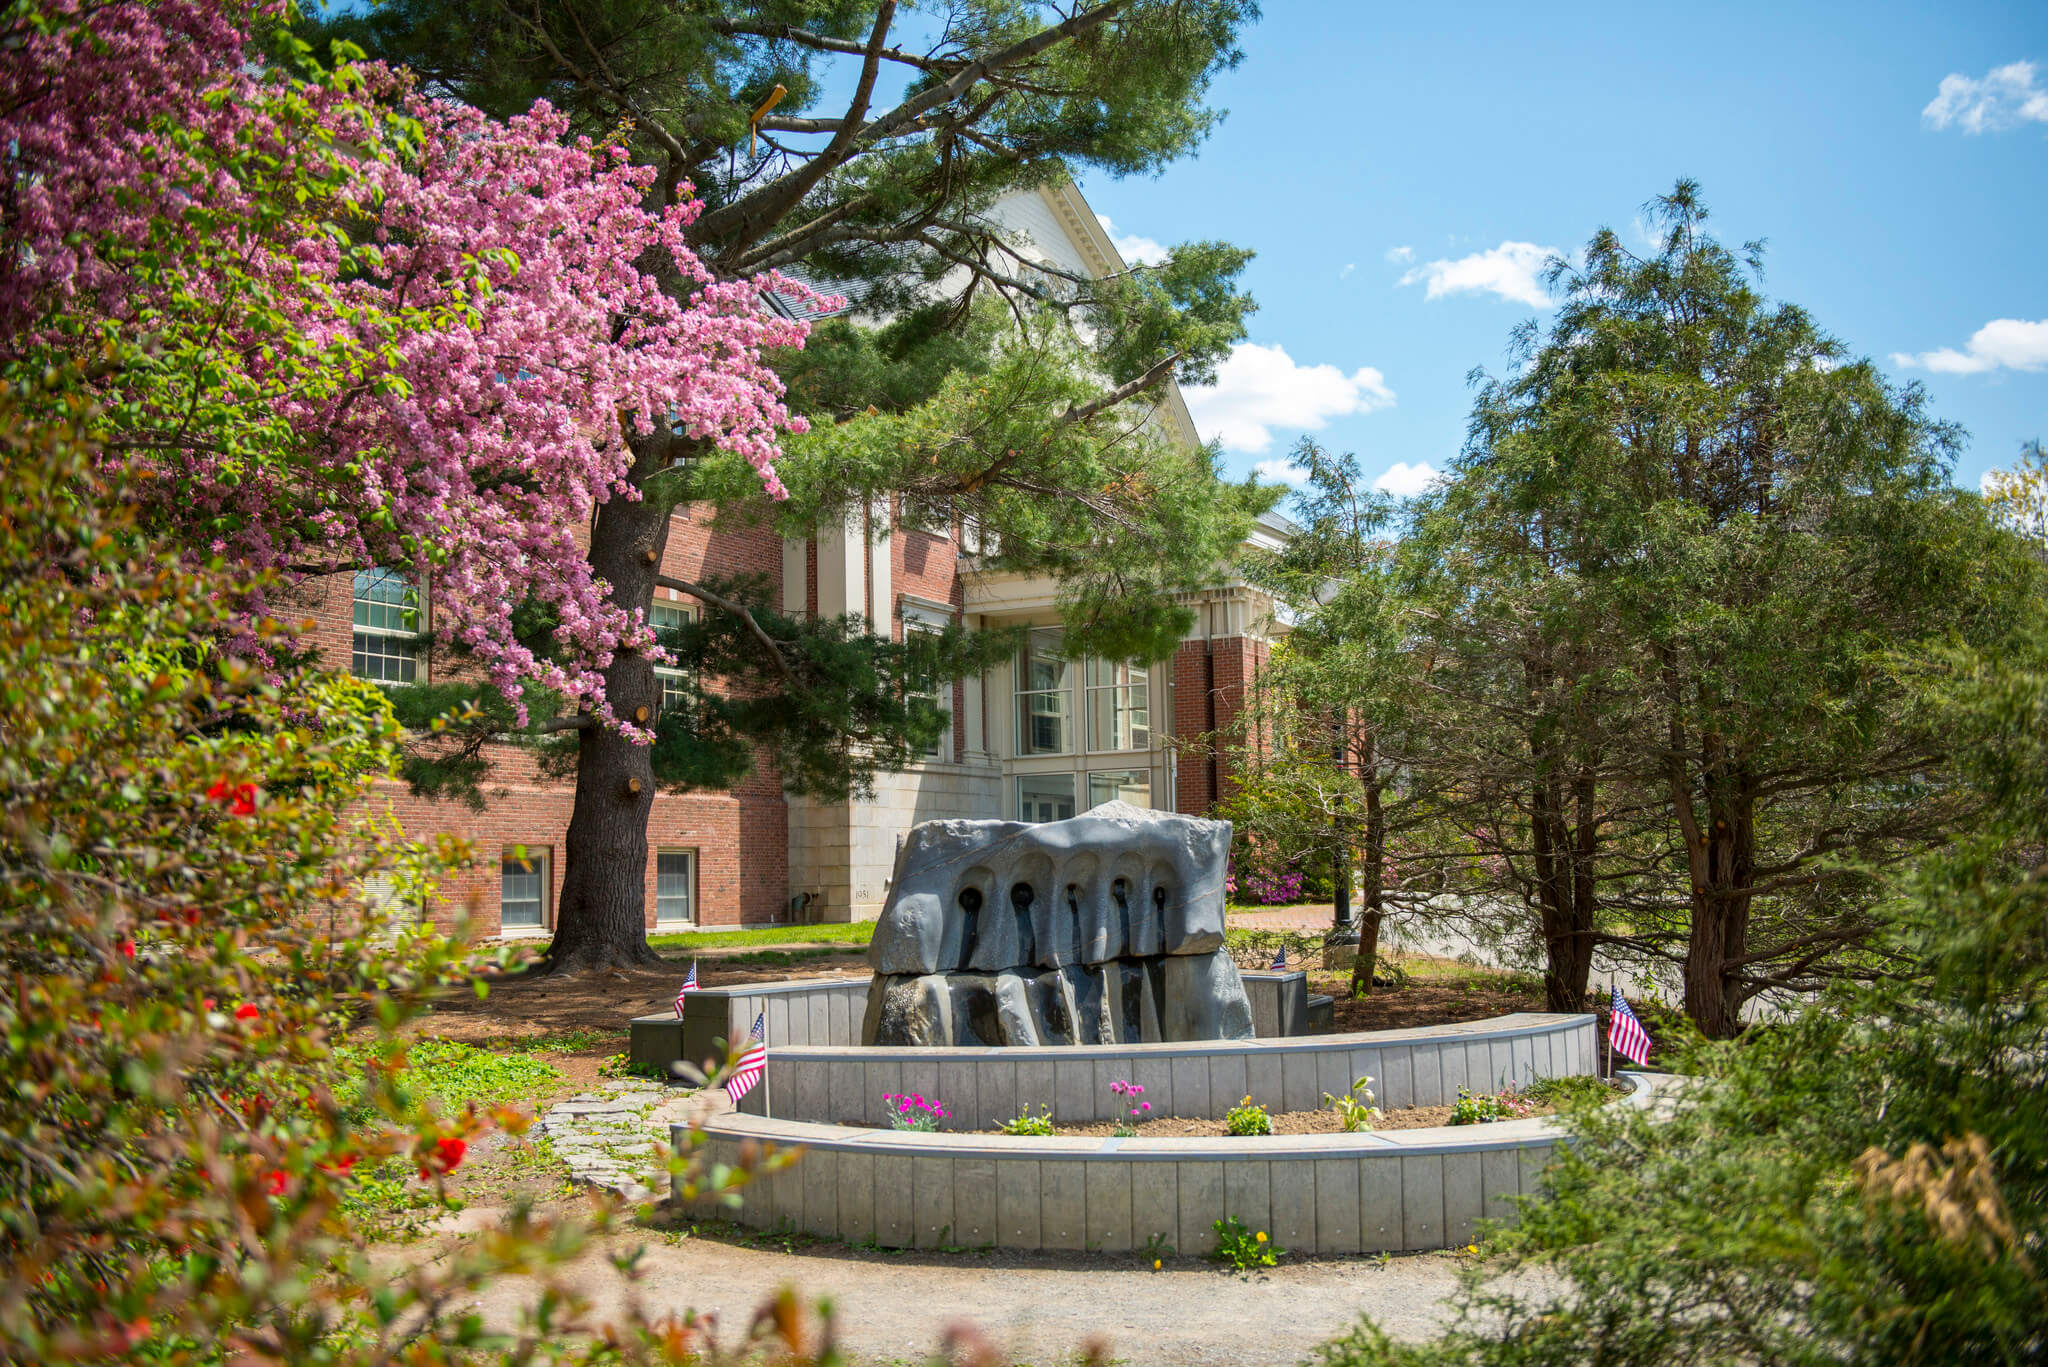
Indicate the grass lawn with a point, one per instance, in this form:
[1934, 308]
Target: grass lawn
[848, 933]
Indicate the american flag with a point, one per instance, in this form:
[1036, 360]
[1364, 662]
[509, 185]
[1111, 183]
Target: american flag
[689, 986]
[1626, 1034]
[1280, 959]
[752, 1063]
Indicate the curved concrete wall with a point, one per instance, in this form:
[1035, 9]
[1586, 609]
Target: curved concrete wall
[1202, 1080]
[1325, 1193]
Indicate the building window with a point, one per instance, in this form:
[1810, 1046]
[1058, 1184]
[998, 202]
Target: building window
[675, 886]
[675, 683]
[933, 623]
[1045, 697]
[1120, 785]
[387, 627]
[523, 889]
[1119, 710]
[1045, 797]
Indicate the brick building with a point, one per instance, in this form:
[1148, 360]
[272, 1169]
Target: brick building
[1040, 737]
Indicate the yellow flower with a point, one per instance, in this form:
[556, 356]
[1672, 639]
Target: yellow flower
[1246, 1102]
[1471, 1248]
[1155, 1264]
[1262, 1236]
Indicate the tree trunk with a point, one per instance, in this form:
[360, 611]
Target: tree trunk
[1564, 882]
[1372, 897]
[1723, 871]
[601, 921]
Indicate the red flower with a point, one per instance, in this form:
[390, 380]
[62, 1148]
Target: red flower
[340, 1166]
[256, 1107]
[127, 948]
[247, 1011]
[274, 1182]
[446, 1158]
[206, 1003]
[238, 798]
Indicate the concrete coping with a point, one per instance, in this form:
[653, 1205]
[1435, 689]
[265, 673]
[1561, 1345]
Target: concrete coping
[1493, 1028]
[1646, 1091]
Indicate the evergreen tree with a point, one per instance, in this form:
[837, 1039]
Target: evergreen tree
[888, 142]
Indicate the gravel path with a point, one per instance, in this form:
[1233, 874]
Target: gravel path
[1039, 1309]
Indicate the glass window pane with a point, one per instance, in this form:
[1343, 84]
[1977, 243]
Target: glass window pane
[1045, 797]
[1045, 681]
[672, 884]
[523, 890]
[1120, 785]
[386, 613]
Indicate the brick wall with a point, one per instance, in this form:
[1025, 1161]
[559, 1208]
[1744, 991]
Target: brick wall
[1210, 681]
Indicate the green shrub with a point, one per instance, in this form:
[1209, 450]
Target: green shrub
[1564, 1093]
[1508, 1104]
[1244, 1249]
[1244, 1118]
[1027, 1123]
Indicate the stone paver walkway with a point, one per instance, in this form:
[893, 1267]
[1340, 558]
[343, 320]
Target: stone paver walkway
[608, 1136]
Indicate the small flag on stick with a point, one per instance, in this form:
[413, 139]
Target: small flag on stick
[1625, 1034]
[1280, 959]
[754, 1062]
[689, 986]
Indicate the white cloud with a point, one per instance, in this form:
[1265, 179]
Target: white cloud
[1403, 480]
[1988, 480]
[1281, 471]
[1138, 251]
[2010, 342]
[1259, 388]
[1513, 270]
[2003, 97]
[1349, 266]
[1400, 256]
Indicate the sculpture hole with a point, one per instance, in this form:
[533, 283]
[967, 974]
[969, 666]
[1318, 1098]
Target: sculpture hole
[1159, 898]
[1120, 890]
[970, 900]
[1020, 896]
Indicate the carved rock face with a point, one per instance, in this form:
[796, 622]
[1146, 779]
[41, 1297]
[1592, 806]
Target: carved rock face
[1067, 932]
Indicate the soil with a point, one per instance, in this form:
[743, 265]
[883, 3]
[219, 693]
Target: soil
[1284, 1122]
[1423, 1002]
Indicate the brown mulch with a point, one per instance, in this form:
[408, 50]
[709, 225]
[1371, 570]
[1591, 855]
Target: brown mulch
[1426, 1003]
[522, 1007]
[1284, 1122]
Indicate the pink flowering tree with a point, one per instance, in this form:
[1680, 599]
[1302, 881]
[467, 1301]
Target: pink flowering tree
[323, 324]
[333, 324]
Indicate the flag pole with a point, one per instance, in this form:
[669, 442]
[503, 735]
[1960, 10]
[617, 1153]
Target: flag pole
[1610, 1026]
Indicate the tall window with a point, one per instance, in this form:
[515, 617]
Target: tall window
[675, 885]
[523, 889]
[1120, 785]
[933, 623]
[675, 683]
[1045, 797]
[387, 627]
[1045, 691]
[1119, 711]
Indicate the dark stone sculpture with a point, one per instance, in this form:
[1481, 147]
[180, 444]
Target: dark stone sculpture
[1106, 928]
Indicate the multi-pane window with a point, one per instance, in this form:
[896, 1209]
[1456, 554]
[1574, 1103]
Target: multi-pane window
[675, 885]
[1119, 711]
[523, 889]
[385, 647]
[675, 683]
[1045, 797]
[1120, 785]
[1045, 688]
[932, 623]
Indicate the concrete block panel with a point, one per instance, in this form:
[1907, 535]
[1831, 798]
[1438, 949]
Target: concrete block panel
[1063, 1204]
[1248, 1193]
[1294, 1204]
[1336, 1195]
[974, 1202]
[1464, 1198]
[1202, 1202]
[1379, 1204]
[856, 1197]
[1399, 1062]
[1019, 1204]
[1109, 1206]
[820, 1174]
[1191, 1099]
[1500, 1181]
[1422, 1201]
[1298, 1079]
[895, 1200]
[932, 1201]
[1155, 1202]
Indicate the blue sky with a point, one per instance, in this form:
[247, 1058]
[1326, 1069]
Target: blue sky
[1906, 214]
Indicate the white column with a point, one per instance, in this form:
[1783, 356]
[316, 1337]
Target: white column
[881, 608]
[842, 569]
[795, 570]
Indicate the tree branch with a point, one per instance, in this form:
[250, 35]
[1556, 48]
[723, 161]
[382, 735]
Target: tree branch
[737, 609]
